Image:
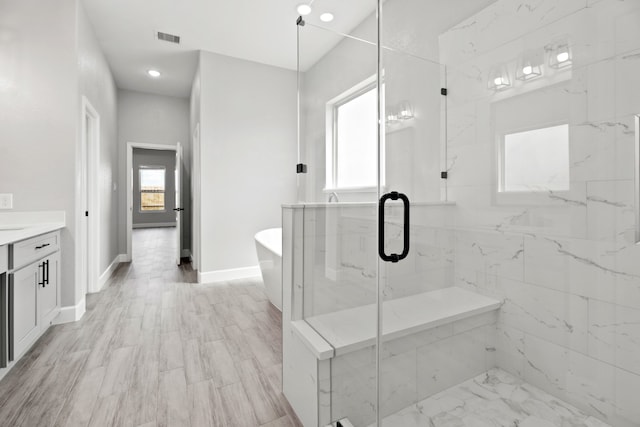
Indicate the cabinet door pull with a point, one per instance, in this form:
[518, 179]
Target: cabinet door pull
[46, 274]
[43, 246]
[41, 276]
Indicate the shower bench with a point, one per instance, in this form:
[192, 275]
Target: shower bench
[345, 331]
[438, 338]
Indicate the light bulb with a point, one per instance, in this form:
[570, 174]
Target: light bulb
[153, 73]
[304, 9]
[326, 17]
[526, 70]
[498, 81]
[562, 57]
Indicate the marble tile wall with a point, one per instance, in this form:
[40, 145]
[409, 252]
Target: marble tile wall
[565, 263]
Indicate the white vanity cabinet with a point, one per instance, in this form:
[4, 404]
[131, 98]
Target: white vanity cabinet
[4, 341]
[33, 291]
[23, 310]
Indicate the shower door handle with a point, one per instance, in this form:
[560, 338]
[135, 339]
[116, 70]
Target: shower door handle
[394, 195]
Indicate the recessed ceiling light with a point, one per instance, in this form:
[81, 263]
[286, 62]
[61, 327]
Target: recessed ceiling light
[153, 73]
[326, 17]
[304, 9]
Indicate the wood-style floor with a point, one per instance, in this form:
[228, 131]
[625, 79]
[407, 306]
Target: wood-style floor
[156, 349]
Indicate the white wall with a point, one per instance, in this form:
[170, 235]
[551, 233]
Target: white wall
[248, 154]
[194, 126]
[153, 119]
[40, 111]
[97, 85]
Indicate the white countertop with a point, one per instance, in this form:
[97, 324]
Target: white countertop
[16, 226]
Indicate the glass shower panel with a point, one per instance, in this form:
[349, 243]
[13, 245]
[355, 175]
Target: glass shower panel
[414, 345]
[338, 143]
[510, 129]
[543, 295]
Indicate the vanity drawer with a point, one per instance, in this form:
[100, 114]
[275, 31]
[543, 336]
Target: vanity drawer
[29, 250]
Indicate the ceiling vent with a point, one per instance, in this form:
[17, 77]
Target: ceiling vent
[168, 37]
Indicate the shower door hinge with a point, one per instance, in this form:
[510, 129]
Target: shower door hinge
[300, 21]
[444, 175]
[443, 91]
[301, 168]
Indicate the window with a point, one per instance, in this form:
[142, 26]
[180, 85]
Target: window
[352, 138]
[536, 160]
[152, 185]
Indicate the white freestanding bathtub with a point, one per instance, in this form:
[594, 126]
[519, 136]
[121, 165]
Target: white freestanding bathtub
[269, 249]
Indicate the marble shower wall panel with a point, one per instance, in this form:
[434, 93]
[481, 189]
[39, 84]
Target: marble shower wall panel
[564, 262]
[602, 150]
[610, 211]
[614, 335]
[477, 34]
[490, 253]
[605, 271]
[603, 390]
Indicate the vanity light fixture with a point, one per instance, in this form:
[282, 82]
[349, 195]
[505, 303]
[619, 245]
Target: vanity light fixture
[392, 118]
[303, 9]
[529, 66]
[326, 17]
[405, 111]
[560, 55]
[498, 79]
[399, 113]
[154, 73]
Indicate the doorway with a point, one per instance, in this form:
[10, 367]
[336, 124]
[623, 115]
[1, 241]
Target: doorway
[89, 202]
[154, 197]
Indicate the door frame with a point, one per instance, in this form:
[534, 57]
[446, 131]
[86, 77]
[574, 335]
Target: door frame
[195, 198]
[129, 183]
[87, 273]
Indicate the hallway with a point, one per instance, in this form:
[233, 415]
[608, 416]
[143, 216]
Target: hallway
[155, 348]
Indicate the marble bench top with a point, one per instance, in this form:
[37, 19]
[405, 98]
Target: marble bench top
[349, 330]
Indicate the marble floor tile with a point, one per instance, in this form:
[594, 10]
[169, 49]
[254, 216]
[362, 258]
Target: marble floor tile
[495, 398]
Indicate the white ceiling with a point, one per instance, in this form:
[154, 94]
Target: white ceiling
[256, 30]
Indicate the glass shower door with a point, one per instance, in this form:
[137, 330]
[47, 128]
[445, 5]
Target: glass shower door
[338, 188]
[415, 245]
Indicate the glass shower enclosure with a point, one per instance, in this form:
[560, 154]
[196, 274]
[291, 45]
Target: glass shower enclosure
[463, 251]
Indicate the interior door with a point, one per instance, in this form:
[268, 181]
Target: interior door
[178, 205]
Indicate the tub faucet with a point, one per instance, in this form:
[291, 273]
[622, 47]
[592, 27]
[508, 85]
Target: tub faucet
[333, 197]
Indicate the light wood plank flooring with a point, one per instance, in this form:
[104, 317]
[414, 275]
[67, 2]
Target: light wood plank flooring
[156, 349]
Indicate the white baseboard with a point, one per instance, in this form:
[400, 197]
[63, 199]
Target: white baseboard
[230, 274]
[154, 224]
[104, 277]
[71, 313]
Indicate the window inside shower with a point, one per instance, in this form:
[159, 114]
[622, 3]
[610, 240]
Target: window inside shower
[536, 160]
[352, 139]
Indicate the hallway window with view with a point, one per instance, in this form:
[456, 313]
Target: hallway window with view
[152, 187]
